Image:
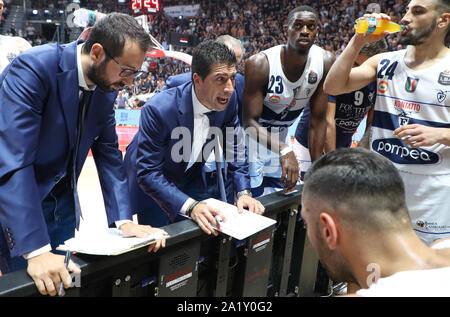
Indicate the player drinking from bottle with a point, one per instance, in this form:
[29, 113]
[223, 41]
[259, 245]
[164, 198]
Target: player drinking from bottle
[411, 123]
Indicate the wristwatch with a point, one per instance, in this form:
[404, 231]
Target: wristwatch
[243, 192]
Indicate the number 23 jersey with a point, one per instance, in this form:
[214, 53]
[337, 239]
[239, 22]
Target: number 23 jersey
[285, 100]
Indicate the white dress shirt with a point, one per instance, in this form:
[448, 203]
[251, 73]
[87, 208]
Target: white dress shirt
[201, 128]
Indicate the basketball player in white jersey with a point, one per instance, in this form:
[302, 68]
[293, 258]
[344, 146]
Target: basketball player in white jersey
[411, 121]
[10, 46]
[279, 83]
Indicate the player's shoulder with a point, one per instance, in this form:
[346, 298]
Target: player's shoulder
[257, 67]
[15, 42]
[328, 57]
[373, 61]
[264, 56]
[259, 58]
[21, 43]
[389, 55]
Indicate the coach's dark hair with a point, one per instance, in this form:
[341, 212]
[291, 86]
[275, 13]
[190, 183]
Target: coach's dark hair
[364, 188]
[113, 31]
[209, 53]
[300, 9]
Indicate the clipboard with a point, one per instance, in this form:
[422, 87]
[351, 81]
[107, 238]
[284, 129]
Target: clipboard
[109, 242]
[237, 225]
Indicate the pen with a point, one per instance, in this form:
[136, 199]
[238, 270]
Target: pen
[218, 218]
[66, 263]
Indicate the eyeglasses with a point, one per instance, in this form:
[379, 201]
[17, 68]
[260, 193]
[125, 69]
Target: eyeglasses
[125, 72]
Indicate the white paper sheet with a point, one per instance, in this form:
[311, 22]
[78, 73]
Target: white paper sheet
[239, 226]
[106, 242]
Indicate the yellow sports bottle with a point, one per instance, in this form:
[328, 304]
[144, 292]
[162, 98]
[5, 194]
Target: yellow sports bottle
[376, 26]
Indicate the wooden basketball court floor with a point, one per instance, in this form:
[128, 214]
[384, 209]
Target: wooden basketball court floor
[89, 191]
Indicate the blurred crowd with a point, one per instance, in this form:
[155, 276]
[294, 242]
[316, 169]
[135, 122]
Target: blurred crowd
[29, 33]
[259, 24]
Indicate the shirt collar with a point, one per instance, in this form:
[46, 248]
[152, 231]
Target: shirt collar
[81, 80]
[199, 109]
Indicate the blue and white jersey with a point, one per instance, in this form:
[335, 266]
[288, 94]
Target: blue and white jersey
[407, 96]
[283, 103]
[9, 50]
[284, 99]
[351, 108]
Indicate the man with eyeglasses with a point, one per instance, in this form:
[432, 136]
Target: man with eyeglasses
[126, 71]
[56, 103]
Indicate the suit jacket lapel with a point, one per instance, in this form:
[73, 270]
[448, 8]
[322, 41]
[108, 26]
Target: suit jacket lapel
[186, 111]
[68, 89]
[185, 107]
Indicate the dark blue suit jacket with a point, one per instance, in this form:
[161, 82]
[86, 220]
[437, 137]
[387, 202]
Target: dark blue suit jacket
[39, 96]
[177, 80]
[157, 173]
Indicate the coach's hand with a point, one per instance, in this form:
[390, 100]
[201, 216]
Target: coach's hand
[48, 270]
[205, 215]
[131, 229]
[251, 204]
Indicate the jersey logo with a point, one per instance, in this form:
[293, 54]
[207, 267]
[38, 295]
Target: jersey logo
[444, 78]
[308, 91]
[411, 84]
[383, 86]
[396, 151]
[403, 119]
[11, 56]
[312, 77]
[347, 124]
[293, 102]
[409, 107]
[441, 95]
[274, 99]
[296, 91]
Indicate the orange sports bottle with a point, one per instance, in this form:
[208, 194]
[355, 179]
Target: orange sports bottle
[376, 26]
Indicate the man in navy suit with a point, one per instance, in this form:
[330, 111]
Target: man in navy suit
[45, 138]
[166, 160]
[238, 49]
